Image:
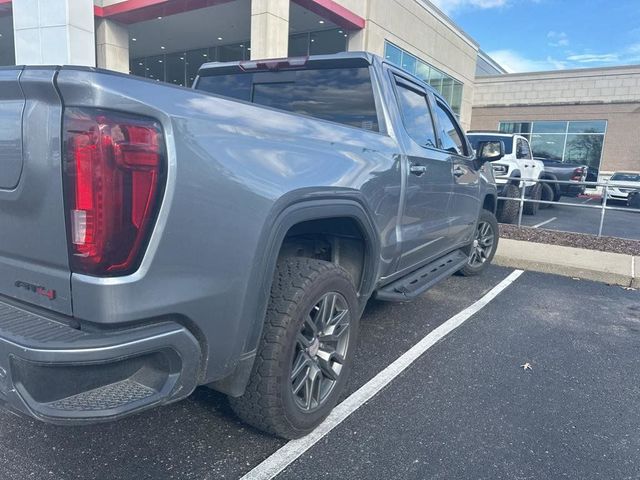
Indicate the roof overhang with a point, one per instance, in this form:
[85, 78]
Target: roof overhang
[133, 11]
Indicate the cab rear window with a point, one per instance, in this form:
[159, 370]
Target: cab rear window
[341, 95]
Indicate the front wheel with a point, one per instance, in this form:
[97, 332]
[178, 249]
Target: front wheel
[307, 349]
[484, 246]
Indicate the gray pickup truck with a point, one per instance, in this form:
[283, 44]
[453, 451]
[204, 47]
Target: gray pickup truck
[157, 238]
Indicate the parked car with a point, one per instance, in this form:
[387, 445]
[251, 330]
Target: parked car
[156, 238]
[516, 163]
[566, 172]
[621, 184]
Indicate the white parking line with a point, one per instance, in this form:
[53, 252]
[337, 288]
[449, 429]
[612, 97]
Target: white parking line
[545, 222]
[587, 200]
[291, 451]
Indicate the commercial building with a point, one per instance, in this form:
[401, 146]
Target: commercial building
[168, 40]
[589, 116]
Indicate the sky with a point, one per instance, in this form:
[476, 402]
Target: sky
[532, 35]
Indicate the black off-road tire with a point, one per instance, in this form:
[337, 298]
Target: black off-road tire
[531, 208]
[508, 209]
[548, 195]
[471, 270]
[268, 402]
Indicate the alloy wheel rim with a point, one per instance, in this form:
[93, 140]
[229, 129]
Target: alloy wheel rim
[320, 351]
[482, 244]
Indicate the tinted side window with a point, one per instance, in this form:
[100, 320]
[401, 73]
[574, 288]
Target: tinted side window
[523, 150]
[342, 95]
[450, 134]
[417, 119]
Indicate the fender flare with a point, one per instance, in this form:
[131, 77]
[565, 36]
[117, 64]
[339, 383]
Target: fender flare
[278, 223]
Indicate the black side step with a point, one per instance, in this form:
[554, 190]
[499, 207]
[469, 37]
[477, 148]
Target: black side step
[421, 280]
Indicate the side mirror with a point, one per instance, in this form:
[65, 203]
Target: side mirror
[489, 151]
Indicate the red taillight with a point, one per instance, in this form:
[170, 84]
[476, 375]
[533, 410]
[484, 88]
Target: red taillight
[113, 167]
[577, 174]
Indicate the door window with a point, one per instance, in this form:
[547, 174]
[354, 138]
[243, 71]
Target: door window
[416, 116]
[523, 150]
[450, 134]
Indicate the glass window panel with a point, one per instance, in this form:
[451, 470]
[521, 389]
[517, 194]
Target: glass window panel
[327, 42]
[408, 62]
[137, 67]
[195, 58]
[507, 127]
[450, 134]
[523, 128]
[340, 95]
[176, 69]
[416, 116]
[299, 45]
[422, 71]
[456, 98]
[155, 67]
[447, 88]
[393, 54]
[590, 126]
[550, 146]
[435, 79]
[549, 127]
[584, 149]
[230, 53]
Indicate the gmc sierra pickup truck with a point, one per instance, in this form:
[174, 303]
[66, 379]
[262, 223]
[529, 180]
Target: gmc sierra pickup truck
[158, 238]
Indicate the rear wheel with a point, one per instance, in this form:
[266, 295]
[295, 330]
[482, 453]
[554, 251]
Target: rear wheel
[307, 349]
[547, 195]
[531, 208]
[484, 246]
[508, 209]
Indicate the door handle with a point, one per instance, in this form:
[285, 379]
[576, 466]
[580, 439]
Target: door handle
[458, 172]
[418, 170]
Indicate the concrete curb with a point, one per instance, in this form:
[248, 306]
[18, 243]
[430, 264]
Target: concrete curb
[612, 268]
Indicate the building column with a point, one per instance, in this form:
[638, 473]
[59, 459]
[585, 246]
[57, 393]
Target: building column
[112, 45]
[269, 29]
[54, 32]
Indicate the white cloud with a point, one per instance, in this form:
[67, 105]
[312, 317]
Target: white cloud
[513, 62]
[595, 58]
[557, 39]
[449, 6]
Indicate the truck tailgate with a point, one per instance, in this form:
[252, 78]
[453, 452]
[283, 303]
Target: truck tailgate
[34, 261]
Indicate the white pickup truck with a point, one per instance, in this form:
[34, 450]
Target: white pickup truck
[517, 163]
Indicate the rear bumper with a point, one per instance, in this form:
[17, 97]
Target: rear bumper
[571, 190]
[62, 375]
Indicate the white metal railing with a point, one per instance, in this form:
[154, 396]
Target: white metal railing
[603, 207]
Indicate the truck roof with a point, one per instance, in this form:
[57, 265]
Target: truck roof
[355, 59]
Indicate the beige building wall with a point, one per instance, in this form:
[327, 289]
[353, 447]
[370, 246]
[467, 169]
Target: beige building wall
[112, 45]
[421, 29]
[590, 85]
[611, 94]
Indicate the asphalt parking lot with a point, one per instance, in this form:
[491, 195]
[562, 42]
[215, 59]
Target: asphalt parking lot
[586, 220]
[464, 409]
